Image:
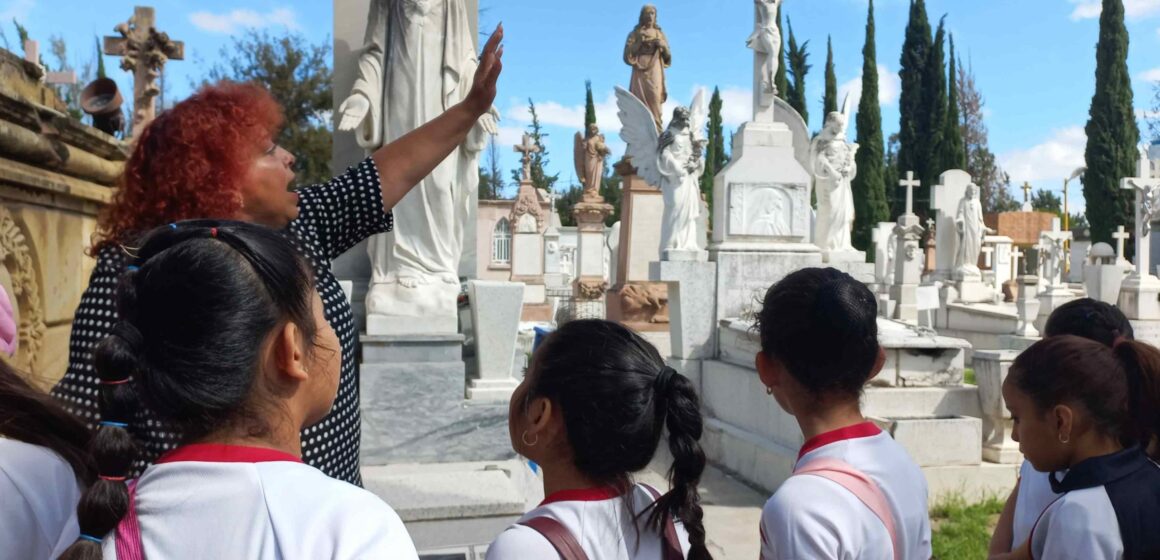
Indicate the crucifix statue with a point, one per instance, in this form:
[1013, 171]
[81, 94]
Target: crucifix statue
[527, 148]
[1026, 196]
[1147, 191]
[143, 50]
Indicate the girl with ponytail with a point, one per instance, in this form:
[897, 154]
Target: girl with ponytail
[591, 411]
[222, 335]
[1091, 410]
[855, 493]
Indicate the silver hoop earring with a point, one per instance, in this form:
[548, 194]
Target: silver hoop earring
[768, 390]
[1064, 440]
[524, 438]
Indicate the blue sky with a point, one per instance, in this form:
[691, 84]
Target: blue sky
[1034, 59]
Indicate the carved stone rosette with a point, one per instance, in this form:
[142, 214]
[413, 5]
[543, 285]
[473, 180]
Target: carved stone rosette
[16, 258]
[591, 291]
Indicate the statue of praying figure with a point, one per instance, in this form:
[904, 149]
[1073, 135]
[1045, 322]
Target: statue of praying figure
[834, 168]
[589, 154]
[647, 52]
[970, 228]
[766, 40]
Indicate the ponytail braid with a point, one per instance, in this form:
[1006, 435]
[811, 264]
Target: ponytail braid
[112, 448]
[1142, 364]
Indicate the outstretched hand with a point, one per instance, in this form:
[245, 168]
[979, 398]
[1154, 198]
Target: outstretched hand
[483, 86]
[352, 111]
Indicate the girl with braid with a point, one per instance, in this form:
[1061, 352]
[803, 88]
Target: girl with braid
[222, 334]
[591, 411]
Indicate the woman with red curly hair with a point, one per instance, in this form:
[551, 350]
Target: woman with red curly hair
[214, 156]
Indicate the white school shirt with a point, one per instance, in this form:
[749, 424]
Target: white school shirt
[810, 517]
[38, 501]
[599, 521]
[1108, 510]
[1034, 495]
[223, 501]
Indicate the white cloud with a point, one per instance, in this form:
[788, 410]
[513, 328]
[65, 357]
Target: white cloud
[16, 10]
[509, 136]
[889, 88]
[1045, 165]
[1133, 9]
[1152, 75]
[237, 20]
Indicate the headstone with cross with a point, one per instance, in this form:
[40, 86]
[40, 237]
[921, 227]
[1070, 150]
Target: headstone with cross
[1016, 254]
[1026, 196]
[944, 204]
[1120, 236]
[907, 257]
[1140, 291]
[144, 51]
[32, 54]
[909, 183]
[527, 148]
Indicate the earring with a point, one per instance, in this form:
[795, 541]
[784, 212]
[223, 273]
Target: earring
[768, 390]
[524, 438]
[1064, 440]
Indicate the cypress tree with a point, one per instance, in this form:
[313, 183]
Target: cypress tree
[934, 91]
[798, 66]
[100, 60]
[779, 78]
[954, 152]
[915, 51]
[1111, 129]
[869, 185]
[830, 98]
[589, 107]
[715, 158]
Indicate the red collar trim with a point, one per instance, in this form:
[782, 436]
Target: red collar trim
[583, 495]
[220, 453]
[865, 429]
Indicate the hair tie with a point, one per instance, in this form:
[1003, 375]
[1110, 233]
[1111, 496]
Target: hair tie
[132, 268]
[663, 380]
[112, 424]
[91, 538]
[173, 226]
[112, 478]
[115, 381]
[1120, 339]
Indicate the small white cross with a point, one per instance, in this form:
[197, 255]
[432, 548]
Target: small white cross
[1120, 236]
[909, 183]
[987, 256]
[1016, 254]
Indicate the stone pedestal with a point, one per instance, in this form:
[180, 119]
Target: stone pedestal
[1103, 282]
[401, 324]
[634, 300]
[495, 321]
[991, 368]
[590, 285]
[907, 272]
[1049, 301]
[692, 321]
[1139, 297]
[1027, 306]
[974, 290]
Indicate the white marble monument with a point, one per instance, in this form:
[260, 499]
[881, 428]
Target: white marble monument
[908, 257]
[1138, 296]
[833, 166]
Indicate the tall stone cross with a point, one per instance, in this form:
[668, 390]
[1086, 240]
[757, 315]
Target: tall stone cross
[1026, 192]
[1016, 254]
[1120, 236]
[32, 54]
[909, 183]
[1147, 209]
[144, 51]
[527, 148]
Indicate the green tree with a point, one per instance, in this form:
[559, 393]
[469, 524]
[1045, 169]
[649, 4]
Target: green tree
[911, 143]
[830, 97]
[297, 73]
[869, 184]
[780, 80]
[715, 157]
[890, 176]
[567, 200]
[797, 58]
[994, 183]
[611, 191]
[934, 91]
[100, 60]
[491, 177]
[1111, 129]
[1047, 201]
[954, 153]
[589, 107]
[540, 179]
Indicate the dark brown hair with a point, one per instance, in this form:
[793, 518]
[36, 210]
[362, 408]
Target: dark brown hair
[32, 416]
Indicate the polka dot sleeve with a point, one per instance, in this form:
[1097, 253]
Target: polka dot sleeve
[341, 213]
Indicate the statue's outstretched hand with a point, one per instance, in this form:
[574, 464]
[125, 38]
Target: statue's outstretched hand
[483, 86]
[353, 111]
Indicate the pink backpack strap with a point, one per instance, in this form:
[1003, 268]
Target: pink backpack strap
[129, 545]
[862, 486]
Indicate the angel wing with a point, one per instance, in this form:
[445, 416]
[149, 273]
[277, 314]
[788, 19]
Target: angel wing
[639, 131]
[579, 155]
[697, 118]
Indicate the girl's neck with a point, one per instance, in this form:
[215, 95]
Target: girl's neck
[1096, 447]
[281, 438]
[560, 477]
[825, 418]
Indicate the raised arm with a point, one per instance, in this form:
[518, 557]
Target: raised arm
[402, 164]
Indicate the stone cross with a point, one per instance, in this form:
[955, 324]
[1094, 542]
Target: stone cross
[1016, 254]
[32, 54]
[1026, 191]
[1147, 209]
[909, 183]
[144, 51]
[527, 148]
[1120, 236]
[987, 251]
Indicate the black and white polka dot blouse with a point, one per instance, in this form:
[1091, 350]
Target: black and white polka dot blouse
[332, 218]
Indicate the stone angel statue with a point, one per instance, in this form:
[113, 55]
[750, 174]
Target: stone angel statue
[673, 160]
[833, 167]
[589, 152]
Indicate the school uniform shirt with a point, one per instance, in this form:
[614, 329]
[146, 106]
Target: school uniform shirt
[812, 517]
[223, 501]
[1109, 510]
[600, 520]
[38, 502]
[332, 218]
[1034, 495]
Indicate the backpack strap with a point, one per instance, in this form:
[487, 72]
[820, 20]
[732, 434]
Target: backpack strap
[861, 486]
[558, 535]
[672, 545]
[129, 546]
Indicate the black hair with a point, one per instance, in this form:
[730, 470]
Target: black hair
[822, 325]
[1119, 386]
[617, 396]
[1091, 319]
[30, 415]
[195, 309]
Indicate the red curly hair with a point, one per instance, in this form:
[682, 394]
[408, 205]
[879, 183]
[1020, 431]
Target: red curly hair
[189, 162]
